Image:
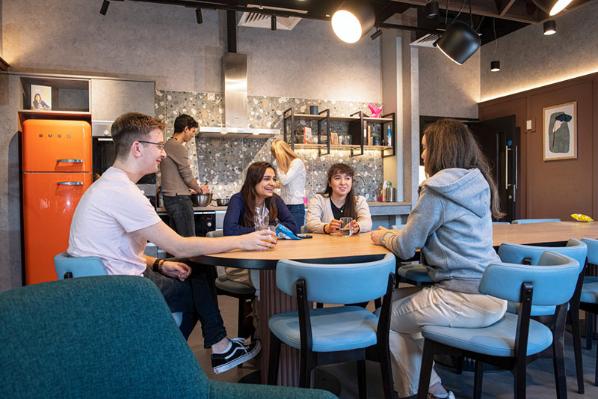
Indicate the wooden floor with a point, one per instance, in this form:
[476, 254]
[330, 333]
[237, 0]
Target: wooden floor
[496, 384]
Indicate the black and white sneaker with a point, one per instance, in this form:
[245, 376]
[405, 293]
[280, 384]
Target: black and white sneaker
[238, 353]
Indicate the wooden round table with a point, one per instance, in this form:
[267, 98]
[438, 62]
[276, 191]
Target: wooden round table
[322, 248]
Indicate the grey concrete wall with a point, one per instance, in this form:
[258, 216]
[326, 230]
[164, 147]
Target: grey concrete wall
[448, 89]
[529, 59]
[164, 43]
[10, 233]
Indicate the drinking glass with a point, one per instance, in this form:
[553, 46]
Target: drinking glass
[346, 226]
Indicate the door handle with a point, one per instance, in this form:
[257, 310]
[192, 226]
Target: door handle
[70, 183]
[507, 149]
[69, 160]
[515, 186]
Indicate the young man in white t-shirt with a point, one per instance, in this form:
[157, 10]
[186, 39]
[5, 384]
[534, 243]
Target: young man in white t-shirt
[114, 221]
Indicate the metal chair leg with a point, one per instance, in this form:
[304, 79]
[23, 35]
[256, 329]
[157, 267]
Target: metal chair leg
[574, 317]
[478, 380]
[361, 379]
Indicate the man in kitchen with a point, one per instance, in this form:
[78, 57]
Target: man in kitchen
[114, 221]
[177, 177]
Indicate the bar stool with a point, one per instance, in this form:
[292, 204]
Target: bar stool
[244, 293]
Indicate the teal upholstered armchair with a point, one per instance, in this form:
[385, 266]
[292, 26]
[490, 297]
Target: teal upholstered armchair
[104, 337]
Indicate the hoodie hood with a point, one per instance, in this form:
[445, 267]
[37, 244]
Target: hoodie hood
[466, 187]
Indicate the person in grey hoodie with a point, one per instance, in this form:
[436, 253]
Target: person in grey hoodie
[452, 224]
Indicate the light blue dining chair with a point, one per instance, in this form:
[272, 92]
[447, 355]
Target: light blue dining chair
[530, 221]
[531, 255]
[513, 341]
[86, 266]
[334, 334]
[588, 300]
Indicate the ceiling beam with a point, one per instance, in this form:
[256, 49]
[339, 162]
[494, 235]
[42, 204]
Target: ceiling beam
[505, 7]
[512, 10]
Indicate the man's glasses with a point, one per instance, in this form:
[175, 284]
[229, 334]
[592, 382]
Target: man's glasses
[159, 144]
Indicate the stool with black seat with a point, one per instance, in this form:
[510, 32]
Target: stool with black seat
[335, 334]
[244, 293]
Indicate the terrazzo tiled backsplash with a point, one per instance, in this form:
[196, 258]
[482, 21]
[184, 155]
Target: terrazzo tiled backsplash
[221, 162]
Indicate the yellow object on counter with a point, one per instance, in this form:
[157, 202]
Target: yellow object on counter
[580, 217]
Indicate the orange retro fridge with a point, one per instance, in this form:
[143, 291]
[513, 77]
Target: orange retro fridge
[56, 166]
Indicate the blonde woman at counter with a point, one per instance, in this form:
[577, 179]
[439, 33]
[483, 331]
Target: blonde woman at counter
[291, 174]
[338, 201]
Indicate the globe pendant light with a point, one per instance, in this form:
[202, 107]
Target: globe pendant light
[352, 19]
[459, 42]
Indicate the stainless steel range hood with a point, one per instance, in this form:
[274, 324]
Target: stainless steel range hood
[236, 120]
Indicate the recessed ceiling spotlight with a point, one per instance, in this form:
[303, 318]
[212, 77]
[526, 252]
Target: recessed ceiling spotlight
[549, 27]
[352, 19]
[432, 9]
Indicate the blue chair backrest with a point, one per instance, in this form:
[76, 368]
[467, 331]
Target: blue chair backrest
[82, 266]
[528, 221]
[592, 250]
[552, 285]
[517, 253]
[337, 283]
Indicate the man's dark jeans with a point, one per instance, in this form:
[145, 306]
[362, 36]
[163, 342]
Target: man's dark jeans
[196, 299]
[180, 211]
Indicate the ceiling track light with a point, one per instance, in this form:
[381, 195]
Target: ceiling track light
[432, 9]
[549, 27]
[198, 16]
[459, 42]
[104, 8]
[273, 22]
[494, 66]
[558, 6]
[352, 20]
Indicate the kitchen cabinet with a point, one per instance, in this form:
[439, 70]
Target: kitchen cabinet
[111, 98]
[360, 132]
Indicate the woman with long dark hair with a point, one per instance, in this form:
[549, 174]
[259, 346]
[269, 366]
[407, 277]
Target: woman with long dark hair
[256, 198]
[246, 210]
[452, 224]
[338, 200]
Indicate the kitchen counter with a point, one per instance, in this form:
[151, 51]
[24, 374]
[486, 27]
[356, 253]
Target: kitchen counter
[162, 211]
[376, 208]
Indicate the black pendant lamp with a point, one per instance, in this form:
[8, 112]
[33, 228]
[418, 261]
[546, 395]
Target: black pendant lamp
[459, 42]
[549, 27]
[494, 66]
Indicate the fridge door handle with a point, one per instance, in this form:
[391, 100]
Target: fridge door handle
[516, 170]
[69, 160]
[507, 149]
[70, 183]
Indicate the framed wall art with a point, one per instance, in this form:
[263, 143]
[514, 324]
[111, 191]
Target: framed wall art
[560, 132]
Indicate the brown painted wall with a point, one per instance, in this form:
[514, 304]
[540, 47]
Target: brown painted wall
[554, 188]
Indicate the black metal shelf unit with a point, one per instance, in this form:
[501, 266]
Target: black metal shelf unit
[358, 123]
